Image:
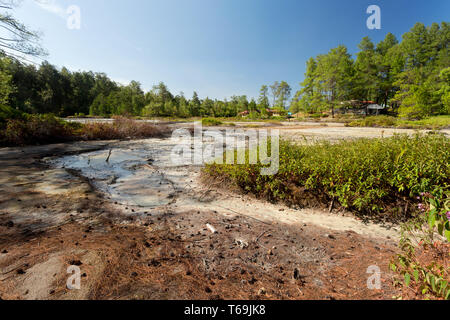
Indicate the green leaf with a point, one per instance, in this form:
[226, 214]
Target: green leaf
[407, 279]
[433, 283]
[441, 229]
[447, 235]
[416, 275]
[432, 218]
[444, 285]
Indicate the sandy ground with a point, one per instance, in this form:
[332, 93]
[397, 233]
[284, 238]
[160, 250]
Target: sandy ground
[138, 227]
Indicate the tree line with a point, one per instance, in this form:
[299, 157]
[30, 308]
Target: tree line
[45, 89]
[411, 76]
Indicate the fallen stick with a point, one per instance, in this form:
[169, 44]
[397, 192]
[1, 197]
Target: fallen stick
[109, 155]
[211, 228]
[260, 236]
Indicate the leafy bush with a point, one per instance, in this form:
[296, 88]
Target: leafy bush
[9, 113]
[424, 261]
[211, 122]
[366, 176]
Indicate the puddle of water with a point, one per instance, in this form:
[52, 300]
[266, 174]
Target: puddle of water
[139, 173]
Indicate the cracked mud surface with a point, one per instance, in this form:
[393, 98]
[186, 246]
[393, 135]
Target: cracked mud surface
[137, 228]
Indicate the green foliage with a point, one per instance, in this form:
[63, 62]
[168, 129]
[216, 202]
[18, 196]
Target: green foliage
[210, 122]
[427, 277]
[411, 76]
[366, 176]
[432, 123]
[327, 81]
[8, 113]
[6, 86]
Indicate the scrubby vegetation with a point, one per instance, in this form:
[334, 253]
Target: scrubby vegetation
[210, 122]
[27, 129]
[366, 176]
[433, 123]
[424, 261]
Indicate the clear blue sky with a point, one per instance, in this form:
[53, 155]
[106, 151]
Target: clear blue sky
[217, 47]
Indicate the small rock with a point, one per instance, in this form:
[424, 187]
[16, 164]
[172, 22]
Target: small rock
[75, 263]
[154, 263]
[20, 271]
[262, 292]
[297, 275]
[208, 290]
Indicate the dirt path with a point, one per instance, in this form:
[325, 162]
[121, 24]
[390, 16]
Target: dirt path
[138, 228]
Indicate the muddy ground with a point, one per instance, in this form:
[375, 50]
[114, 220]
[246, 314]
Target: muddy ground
[141, 231]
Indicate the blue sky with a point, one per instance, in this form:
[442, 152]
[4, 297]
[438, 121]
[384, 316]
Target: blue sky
[219, 48]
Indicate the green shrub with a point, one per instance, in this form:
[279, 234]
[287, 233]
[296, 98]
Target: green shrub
[366, 176]
[424, 261]
[8, 113]
[211, 122]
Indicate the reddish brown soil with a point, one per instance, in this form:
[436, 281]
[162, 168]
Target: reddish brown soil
[166, 259]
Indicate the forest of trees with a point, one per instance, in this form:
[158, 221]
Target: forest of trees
[411, 76]
[45, 89]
